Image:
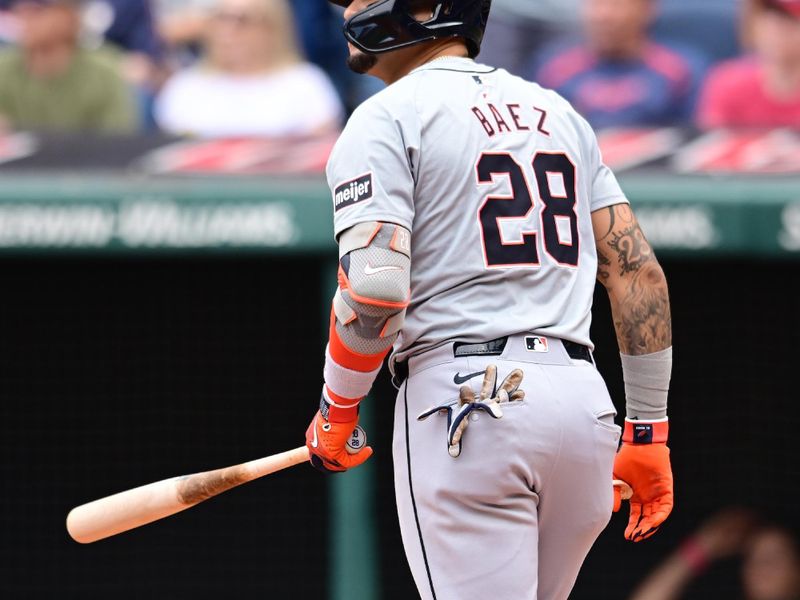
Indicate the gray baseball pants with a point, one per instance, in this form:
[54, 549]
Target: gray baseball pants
[514, 516]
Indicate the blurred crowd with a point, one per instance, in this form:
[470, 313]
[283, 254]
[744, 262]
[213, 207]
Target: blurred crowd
[767, 553]
[232, 68]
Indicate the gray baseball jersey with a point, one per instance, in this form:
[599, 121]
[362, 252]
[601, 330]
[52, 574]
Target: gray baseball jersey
[496, 178]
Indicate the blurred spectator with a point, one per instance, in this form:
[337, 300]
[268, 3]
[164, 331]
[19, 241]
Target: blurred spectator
[126, 24]
[8, 25]
[771, 559]
[519, 30]
[619, 76]
[49, 82]
[319, 25]
[711, 27]
[252, 81]
[761, 90]
[124, 31]
[127, 29]
[181, 24]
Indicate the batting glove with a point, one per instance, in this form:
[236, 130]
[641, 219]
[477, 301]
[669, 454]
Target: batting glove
[334, 441]
[643, 462]
[487, 400]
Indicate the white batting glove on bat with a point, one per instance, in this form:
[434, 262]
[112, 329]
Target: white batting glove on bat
[487, 400]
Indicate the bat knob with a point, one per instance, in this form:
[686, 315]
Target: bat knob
[357, 441]
[625, 490]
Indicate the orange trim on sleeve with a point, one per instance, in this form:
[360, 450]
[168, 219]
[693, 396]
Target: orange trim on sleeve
[400, 241]
[344, 284]
[350, 359]
[378, 303]
[341, 278]
[378, 227]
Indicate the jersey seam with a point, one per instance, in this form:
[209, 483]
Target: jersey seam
[605, 202]
[411, 492]
[473, 72]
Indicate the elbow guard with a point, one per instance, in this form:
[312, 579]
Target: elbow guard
[374, 287]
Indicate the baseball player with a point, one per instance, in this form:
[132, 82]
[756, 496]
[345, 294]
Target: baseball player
[473, 214]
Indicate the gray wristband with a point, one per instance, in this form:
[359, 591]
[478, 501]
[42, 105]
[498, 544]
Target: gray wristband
[647, 384]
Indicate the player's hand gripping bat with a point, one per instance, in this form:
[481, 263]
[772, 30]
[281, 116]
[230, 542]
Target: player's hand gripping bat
[142, 505]
[622, 491]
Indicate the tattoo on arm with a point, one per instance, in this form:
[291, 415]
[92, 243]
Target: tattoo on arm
[603, 267]
[640, 299]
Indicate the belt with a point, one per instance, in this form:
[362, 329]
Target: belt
[492, 348]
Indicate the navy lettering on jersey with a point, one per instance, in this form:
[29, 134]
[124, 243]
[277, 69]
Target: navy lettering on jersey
[487, 127]
[510, 118]
[555, 178]
[496, 251]
[513, 109]
[559, 206]
[501, 123]
[542, 117]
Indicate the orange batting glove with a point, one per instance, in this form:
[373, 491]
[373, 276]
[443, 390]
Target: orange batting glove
[333, 442]
[643, 462]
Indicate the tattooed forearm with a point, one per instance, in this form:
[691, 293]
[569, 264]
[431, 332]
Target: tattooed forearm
[631, 249]
[642, 313]
[618, 216]
[603, 267]
[636, 284]
[623, 241]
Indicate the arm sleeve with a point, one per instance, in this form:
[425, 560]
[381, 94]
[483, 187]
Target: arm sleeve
[371, 169]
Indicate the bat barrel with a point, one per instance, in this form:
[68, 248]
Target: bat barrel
[142, 505]
[123, 511]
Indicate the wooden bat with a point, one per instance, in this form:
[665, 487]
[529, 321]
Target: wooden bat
[625, 490]
[136, 507]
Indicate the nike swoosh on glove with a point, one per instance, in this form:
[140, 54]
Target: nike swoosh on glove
[326, 440]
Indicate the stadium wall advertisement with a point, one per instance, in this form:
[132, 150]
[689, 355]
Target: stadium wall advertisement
[691, 215]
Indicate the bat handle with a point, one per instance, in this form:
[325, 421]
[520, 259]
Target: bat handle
[625, 490]
[277, 462]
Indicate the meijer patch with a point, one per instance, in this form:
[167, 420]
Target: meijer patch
[352, 192]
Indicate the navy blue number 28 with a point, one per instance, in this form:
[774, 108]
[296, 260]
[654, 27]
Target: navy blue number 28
[558, 207]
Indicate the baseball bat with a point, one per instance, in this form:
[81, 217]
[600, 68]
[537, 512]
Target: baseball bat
[625, 490]
[136, 507]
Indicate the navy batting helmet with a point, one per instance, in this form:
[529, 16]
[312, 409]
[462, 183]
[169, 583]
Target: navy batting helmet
[390, 24]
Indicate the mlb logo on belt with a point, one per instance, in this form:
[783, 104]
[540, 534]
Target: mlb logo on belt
[537, 343]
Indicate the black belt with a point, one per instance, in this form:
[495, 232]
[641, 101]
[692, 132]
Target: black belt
[492, 348]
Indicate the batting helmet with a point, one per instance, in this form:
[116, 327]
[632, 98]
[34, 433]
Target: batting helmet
[390, 24]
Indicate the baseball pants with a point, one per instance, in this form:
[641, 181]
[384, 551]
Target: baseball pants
[513, 517]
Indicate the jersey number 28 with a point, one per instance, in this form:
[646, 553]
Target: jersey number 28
[558, 208]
